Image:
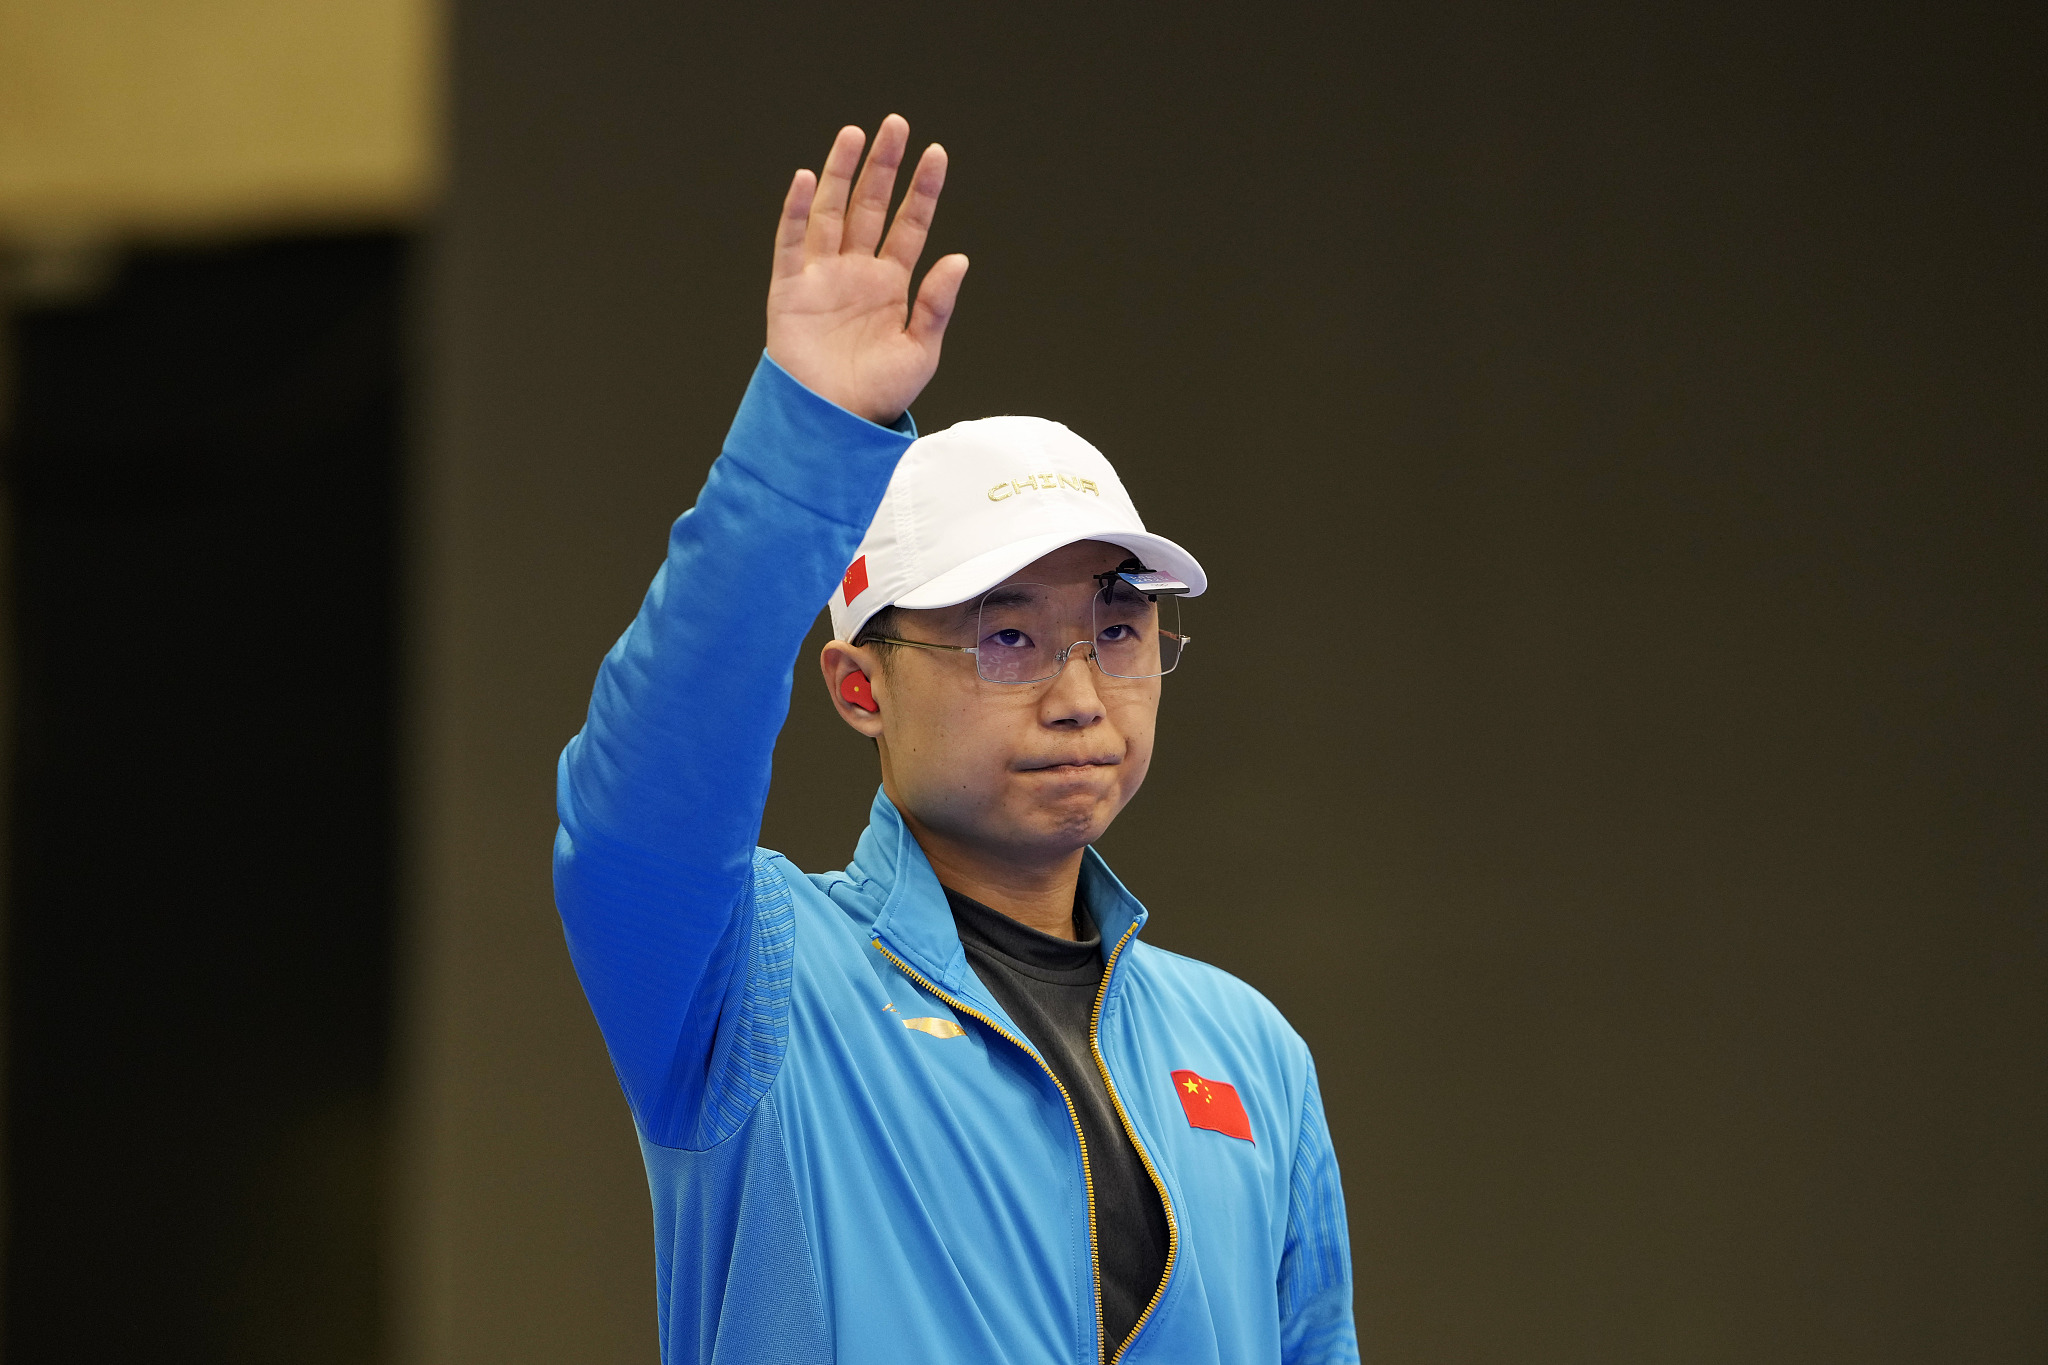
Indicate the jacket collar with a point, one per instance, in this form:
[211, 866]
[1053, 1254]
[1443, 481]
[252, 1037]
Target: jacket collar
[916, 922]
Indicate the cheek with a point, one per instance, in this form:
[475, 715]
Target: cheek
[1137, 762]
[1137, 720]
[953, 744]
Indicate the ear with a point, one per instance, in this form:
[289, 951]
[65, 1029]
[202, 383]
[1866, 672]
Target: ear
[853, 674]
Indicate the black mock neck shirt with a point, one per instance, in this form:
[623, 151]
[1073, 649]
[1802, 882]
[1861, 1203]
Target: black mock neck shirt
[1048, 986]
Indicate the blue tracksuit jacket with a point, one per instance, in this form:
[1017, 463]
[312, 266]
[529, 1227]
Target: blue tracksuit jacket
[829, 1184]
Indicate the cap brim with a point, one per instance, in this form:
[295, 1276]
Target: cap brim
[985, 570]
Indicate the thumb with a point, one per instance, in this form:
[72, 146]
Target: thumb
[935, 299]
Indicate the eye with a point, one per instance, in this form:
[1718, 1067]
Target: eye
[1119, 634]
[1010, 639]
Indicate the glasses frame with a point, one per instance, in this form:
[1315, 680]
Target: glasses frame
[1059, 659]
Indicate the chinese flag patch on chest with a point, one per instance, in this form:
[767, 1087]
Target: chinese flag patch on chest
[1212, 1104]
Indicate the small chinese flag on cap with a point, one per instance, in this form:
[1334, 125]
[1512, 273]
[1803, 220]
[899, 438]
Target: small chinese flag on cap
[856, 581]
[1212, 1104]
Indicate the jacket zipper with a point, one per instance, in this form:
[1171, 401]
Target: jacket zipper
[1165, 1201]
[1073, 1114]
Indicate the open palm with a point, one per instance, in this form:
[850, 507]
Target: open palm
[840, 318]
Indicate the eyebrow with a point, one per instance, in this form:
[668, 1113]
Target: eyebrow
[1123, 592]
[1001, 597]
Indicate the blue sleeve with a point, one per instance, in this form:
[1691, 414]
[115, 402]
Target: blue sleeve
[660, 796]
[1315, 1266]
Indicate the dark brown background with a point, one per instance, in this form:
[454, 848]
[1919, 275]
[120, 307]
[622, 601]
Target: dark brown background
[1615, 438]
[199, 497]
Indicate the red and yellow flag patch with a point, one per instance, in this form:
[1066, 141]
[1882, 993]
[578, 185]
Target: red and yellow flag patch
[1213, 1105]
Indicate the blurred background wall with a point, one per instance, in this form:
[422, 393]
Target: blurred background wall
[129, 117]
[207, 211]
[1616, 438]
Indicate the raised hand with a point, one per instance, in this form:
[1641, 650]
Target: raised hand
[840, 318]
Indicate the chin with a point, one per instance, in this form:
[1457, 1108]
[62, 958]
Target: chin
[1072, 820]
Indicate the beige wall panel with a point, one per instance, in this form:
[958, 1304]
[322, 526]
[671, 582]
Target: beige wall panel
[175, 115]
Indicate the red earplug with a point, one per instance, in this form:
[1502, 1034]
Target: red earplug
[854, 690]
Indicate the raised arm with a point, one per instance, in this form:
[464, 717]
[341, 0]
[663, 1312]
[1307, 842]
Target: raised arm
[660, 795]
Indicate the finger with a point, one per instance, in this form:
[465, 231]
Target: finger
[914, 218]
[869, 207]
[828, 206]
[935, 299]
[789, 231]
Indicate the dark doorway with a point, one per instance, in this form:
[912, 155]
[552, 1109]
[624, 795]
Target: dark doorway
[204, 471]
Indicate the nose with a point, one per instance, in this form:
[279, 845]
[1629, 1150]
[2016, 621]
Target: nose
[1073, 702]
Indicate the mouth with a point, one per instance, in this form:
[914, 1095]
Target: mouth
[1069, 767]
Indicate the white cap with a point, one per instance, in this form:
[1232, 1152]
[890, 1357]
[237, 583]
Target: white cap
[971, 505]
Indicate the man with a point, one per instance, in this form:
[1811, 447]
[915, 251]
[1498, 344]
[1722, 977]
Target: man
[945, 1106]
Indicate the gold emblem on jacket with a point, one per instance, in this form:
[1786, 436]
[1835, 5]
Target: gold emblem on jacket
[937, 1028]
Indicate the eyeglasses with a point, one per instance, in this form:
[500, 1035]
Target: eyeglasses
[1020, 633]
